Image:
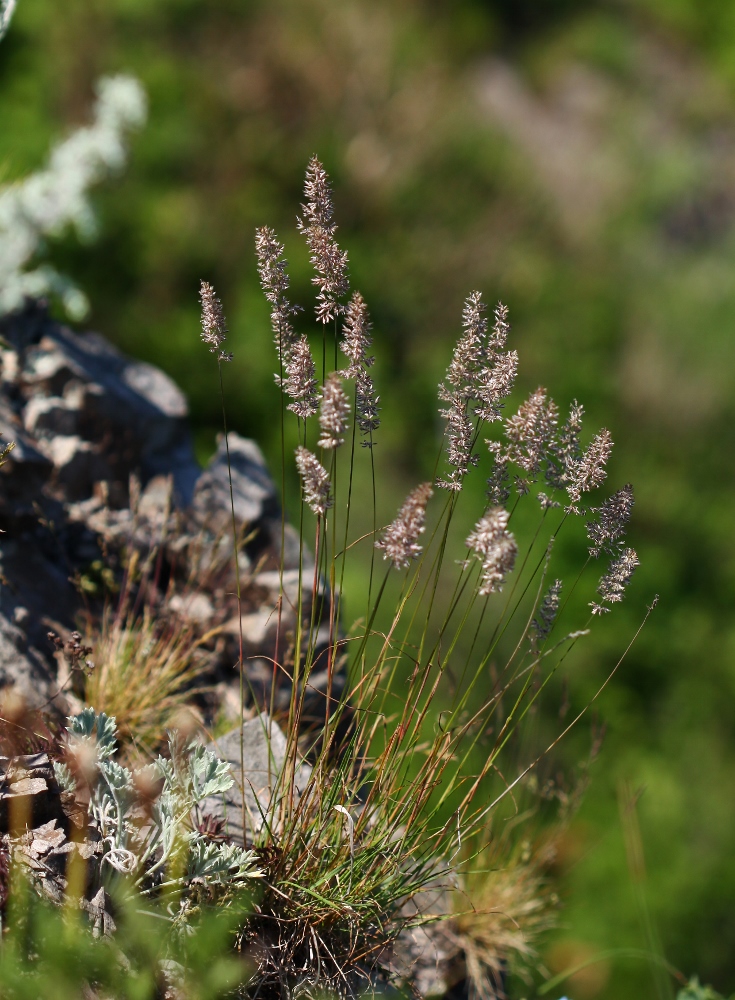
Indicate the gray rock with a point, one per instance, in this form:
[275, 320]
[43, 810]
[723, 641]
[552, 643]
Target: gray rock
[264, 751]
[26, 675]
[115, 395]
[253, 491]
[47, 415]
[78, 464]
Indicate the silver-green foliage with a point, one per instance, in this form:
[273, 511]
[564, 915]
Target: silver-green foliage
[164, 848]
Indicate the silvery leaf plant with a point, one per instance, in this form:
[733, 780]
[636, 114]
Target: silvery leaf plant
[152, 838]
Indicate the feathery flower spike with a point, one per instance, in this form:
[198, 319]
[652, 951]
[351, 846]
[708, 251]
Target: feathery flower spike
[356, 335]
[458, 389]
[496, 547]
[366, 403]
[315, 480]
[607, 531]
[530, 432]
[468, 353]
[479, 377]
[590, 470]
[214, 327]
[612, 585]
[399, 539]
[300, 381]
[548, 610]
[274, 281]
[333, 413]
[494, 382]
[565, 452]
[356, 340]
[317, 225]
[497, 488]
[501, 328]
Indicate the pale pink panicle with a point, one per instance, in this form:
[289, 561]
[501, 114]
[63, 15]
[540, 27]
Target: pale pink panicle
[478, 379]
[494, 384]
[315, 481]
[318, 226]
[565, 452]
[399, 541]
[497, 484]
[460, 433]
[300, 380]
[356, 340]
[501, 328]
[275, 282]
[612, 585]
[469, 352]
[590, 472]
[333, 413]
[366, 404]
[496, 547]
[530, 432]
[606, 533]
[356, 335]
[214, 327]
[543, 623]
[458, 390]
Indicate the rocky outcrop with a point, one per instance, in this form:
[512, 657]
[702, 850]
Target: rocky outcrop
[103, 466]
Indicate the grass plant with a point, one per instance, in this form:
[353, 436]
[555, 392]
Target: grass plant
[387, 809]
[420, 761]
[144, 672]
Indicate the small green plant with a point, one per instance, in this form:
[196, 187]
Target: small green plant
[163, 848]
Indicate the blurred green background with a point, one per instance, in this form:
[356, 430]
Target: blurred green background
[574, 159]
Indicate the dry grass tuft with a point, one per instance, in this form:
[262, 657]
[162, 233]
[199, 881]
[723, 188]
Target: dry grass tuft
[144, 673]
[510, 906]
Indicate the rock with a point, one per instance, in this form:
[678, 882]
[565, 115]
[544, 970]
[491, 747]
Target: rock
[29, 794]
[103, 472]
[78, 465]
[428, 957]
[48, 415]
[253, 491]
[26, 675]
[264, 751]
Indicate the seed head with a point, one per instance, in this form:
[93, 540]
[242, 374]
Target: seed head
[366, 404]
[479, 377]
[333, 414]
[501, 328]
[612, 585]
[468, 353]
[542, 625]
[300, 382]
[318, 227]
[275, 282]
[565, 452]
[399, 539]
[530, 432]
[495, 383]
[496, 547]
[356, 338]
[460, 433]
[315, 480]
[607, 531]
[590, 471]
[214, 327]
